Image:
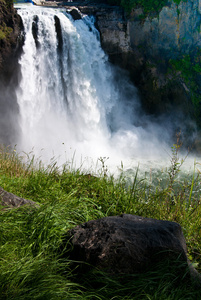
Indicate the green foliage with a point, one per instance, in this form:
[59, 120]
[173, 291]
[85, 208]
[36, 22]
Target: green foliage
[151, 6]
[189, 69]
[5, 31]
[148, 6]
[178, 1]
[2, 35]
[7, 3]
[31, 263]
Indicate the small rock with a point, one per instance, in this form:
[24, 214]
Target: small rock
[11, 200]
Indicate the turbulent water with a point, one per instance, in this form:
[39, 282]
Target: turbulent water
[74, 106]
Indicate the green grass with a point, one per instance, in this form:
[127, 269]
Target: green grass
[31, 262]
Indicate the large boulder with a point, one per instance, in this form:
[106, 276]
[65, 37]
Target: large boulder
[129, 244]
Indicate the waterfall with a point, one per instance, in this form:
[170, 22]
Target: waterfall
[72, 101]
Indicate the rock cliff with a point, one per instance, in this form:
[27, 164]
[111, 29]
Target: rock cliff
[10, 28]
[161, 47]
[160, 50]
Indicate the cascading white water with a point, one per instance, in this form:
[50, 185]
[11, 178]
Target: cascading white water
[71, 100]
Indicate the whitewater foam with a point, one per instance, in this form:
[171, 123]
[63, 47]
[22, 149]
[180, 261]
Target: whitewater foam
[72, 104]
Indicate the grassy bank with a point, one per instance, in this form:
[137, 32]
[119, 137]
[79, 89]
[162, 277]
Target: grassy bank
[31, 265]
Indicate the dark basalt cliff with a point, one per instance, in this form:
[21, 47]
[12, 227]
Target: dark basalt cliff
[10, 32]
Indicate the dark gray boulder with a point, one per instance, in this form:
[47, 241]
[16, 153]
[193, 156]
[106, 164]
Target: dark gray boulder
[11, 200]
[129, 244]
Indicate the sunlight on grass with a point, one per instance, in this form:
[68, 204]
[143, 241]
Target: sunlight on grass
[31, 265]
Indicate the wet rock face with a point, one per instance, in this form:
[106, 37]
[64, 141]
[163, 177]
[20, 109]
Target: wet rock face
[113, 29]
[153, 42]
[127, 244]
[175, 30]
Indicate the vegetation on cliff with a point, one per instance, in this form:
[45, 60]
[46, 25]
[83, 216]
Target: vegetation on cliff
[9, 29]
[7, 3]
[170, 68]
[5, 30]
[30, 256]
[148, 6]
[188, 68]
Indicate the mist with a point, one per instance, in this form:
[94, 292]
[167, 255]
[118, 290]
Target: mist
[73, 106]
[9, 114]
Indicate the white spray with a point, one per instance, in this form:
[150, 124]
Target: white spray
[70, 102]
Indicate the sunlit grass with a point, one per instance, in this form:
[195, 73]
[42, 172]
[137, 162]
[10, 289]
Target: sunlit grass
[31, 265]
